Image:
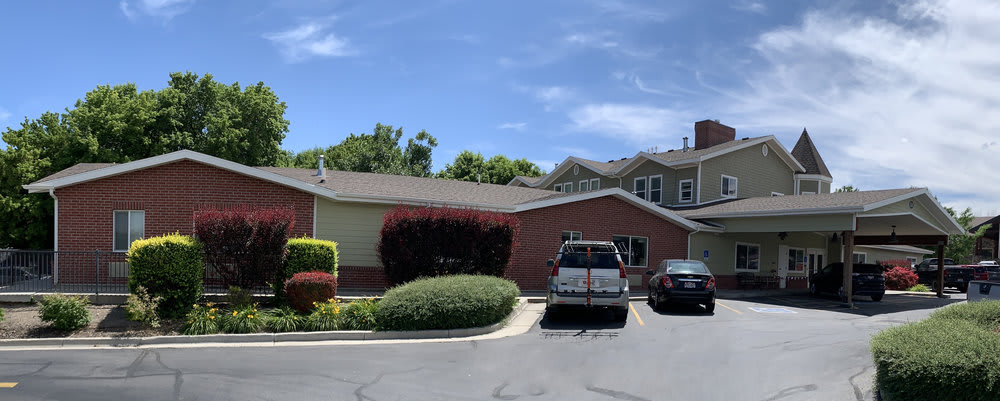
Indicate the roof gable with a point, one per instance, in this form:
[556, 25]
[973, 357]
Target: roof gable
[808, 156]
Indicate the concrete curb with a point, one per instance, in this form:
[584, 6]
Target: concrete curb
[263, 338]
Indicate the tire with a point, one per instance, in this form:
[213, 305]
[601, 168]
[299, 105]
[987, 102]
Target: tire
[657, 305]
[840, 293]
[621, 315]
[710, 307]
[878, 297]
[813, 290]
[649, 297]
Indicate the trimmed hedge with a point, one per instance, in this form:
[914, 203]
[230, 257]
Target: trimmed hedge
[306, 255]
[307, 288]
[953, 352]
[427, 242]
[170, 267]
[450, 302]
[245, 244]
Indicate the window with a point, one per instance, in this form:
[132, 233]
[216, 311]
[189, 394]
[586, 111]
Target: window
[685, 192]
[912, 260]
[728, 186]
[567, 187]
[655, 188]
[796, 259]
[571, 236]
[633, 249]
[557, 187]
[777, 194]
[129, 225]
[584, 186]
[747, 257]
[595, 184]
[860, 257]
[639, 189]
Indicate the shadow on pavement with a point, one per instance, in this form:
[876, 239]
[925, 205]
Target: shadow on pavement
[679, 309]
[890, 303]
[581, 319]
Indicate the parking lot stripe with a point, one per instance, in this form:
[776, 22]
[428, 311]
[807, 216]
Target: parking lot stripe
[7, 384]
[724, 306]
[636, 313]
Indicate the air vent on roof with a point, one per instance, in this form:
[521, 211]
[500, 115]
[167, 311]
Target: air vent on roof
[745, 138]
[624, 158]
[610, 161]
[671, 150]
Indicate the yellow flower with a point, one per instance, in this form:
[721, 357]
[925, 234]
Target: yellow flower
[250, 316]
[212, 317]
[210, 304]
[234, 313]
[195, 306]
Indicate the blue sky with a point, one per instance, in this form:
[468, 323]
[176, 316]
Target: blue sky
[895, 94]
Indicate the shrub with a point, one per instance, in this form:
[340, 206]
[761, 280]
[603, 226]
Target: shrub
[202, 320]
[325, 317]
[900, 278]
[305, 289]
[141, 307]
[360, 314]
[305, 255]
[283, 319]
[919, 288]
[245, 244]
[65, 312]
[169, 267]
[417, 242]
[446, 303]
[1, 315]
[238, 297]
[952, 352]
[243, 320]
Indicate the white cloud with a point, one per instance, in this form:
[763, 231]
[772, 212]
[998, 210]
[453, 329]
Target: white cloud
[4, 114]
[308, 40]
[903, 101]
[639, 84]
[513, 126]
[551, 96]
[755, 7]
[626, 10]
[632, 124]
[163, 9]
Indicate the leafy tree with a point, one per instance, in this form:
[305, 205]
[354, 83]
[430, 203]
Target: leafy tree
[961, 246]
[117, 124]
[847, 188]
[378, 152]
[498, 169]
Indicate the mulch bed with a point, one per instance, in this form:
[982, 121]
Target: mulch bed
[22, 321]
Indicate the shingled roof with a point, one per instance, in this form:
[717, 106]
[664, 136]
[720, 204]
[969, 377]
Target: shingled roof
[76, 169]
[772, 205]
[807, 155]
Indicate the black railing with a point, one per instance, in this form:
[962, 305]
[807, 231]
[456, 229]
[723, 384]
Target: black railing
[81, 272]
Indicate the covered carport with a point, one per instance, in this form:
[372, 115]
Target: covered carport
[791, 229]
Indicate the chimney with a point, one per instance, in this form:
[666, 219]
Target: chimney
[685, 144]
[709, 133]
[321, 173]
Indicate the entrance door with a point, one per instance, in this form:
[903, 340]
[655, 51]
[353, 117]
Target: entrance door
[815, 260]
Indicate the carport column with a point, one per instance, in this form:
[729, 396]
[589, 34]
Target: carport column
[940, 271]
[848, 267]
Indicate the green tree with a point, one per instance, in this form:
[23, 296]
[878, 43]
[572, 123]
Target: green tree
[847, 188]
[961, 246]
[471, 166]
[378, 152]
[117, 124]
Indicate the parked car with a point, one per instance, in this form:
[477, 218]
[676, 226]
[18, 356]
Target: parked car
[682, 281]
[956, 276]
[984, 272]
[989, 263]
[867, 280]
[588, 274]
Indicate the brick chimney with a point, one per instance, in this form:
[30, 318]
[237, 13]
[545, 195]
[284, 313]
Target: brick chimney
[709, 133]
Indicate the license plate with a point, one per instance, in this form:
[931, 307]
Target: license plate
[961, 280]
[689, 285]
[583, 283]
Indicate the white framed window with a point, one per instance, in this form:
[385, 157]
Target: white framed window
[777, 194]
[656, 189]
[860, 257]
[557, 187]
[567, 187]
[584, 185]
[685, 191]
[639, 187]
[796, 260]
[129, 225]
[572, 236]
[595, 184]
[728, 186]
[634, 250]
[747, 257]
[912, 260]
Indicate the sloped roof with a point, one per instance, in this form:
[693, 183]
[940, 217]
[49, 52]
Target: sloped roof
[76, 169]
[773, 205]
[898, 248]
[807, 155]
[980, 220]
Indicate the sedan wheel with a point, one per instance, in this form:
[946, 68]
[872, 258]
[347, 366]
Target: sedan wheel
[813, 290]
[656, 301]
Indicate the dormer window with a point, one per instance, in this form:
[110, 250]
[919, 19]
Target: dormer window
[685, 192]
[728, 186]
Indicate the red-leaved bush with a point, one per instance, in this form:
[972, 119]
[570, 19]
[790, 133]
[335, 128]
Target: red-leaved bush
[245, 245]
[307, 287]
[900, 278]
[417, 242]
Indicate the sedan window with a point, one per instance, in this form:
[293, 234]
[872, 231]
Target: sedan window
[687, 267]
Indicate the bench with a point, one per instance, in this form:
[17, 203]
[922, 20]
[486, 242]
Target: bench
[745, 280]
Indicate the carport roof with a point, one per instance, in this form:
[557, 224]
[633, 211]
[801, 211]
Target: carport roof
[801, 204]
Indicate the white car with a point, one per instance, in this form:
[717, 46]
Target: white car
[588, 274]
[988, 263]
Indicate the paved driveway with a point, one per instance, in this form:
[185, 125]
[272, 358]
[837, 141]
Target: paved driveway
[767, 348]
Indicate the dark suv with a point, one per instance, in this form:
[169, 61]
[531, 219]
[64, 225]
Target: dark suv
[866, 280]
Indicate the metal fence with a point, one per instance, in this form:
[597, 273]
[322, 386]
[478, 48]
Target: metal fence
[97, 272]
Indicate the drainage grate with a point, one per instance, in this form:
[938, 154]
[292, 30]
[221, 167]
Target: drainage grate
[580, 334]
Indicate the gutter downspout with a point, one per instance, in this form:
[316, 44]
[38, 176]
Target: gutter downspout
[698, 200]
[55, 236]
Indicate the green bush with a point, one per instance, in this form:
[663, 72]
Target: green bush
[919, 288]
[360, 314]
[283, 319]
[202, 320]
[170, 267]
[953, 352]
[65, 312]
[448, 302]
[239, 298]
[141, 307]
[1, 315]
[306, 255]
[243, 320]
[325, 317]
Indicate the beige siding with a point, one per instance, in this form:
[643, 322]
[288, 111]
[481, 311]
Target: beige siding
[824, 187]
[757, 175]
[649, 168]
[722, 249]
[355, 228]
[820, 223]
[584, 174]
[809, 186]
[873, 255]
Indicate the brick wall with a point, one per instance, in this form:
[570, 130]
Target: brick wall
[169, 194]
[597, 219]
[361, 277]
